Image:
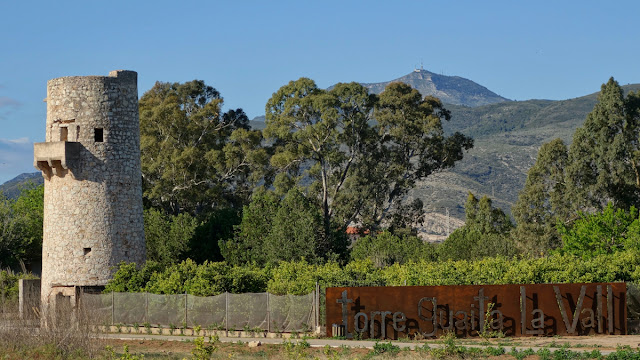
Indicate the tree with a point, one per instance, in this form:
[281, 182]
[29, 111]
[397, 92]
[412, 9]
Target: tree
[247, 243]
[482, 216]
[194, 157]
[604, 232]
[604, 158]
[168, 236]
[21, 223]
[275, 229]
[28, 209]
[543, 201]
[9, 233]
[214, 227]
[357, 170]
[601, 166]
[320, 137]
[296, 231]
[484, 234]
[412, 146]
[408, 216]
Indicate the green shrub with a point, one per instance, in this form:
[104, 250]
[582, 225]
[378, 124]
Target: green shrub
[388, 348]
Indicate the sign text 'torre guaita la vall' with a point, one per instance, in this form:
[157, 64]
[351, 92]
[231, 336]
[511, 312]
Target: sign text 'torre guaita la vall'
[516, 310]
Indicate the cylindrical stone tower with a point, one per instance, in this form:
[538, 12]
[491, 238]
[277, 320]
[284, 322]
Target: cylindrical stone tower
[93, 188]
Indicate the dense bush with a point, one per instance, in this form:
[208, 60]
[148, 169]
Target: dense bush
[300, 277]
[601, 233]
[209, 278]
[386, 248]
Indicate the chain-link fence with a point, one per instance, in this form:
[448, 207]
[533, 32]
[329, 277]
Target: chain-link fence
[250, 311]
[633, 308]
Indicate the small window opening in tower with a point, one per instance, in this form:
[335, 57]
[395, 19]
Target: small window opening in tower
[99, 134]
[86, 251]
[64, 133]
[78, 133]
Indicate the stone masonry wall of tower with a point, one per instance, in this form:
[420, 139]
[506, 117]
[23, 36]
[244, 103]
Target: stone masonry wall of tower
[93, 192]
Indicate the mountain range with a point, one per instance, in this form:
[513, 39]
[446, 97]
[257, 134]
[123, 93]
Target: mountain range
[507, 138]
[11, 189]
[454, 90]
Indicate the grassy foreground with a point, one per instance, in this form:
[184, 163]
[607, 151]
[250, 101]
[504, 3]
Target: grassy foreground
[73, 347]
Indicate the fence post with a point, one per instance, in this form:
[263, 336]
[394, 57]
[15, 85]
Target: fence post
[268, 313]
[317, 301]
[146, 307]
[113, 307]
[314, 305]
[226, 312]
[186, 318]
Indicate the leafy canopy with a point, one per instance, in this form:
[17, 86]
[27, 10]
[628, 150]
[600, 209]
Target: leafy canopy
[21, 222]
[600, 167]
[354, 153]
[484, 234]
[606, 232]
[604, 157]
[194, 157]
[274, 230]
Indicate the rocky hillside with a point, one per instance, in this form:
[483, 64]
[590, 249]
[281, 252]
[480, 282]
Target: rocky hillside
[11, 189]
[507, 138]
[450, 89]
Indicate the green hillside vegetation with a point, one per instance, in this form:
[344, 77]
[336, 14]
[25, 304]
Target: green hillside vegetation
[507, 139]
[12, 188]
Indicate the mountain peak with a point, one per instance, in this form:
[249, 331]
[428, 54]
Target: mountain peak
[450, 89]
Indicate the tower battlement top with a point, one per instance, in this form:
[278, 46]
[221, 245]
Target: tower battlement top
[120, 75]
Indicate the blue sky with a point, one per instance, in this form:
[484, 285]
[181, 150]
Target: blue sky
[248, 49]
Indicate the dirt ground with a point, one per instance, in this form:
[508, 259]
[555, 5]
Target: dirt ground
[180, 347]
[602, 342]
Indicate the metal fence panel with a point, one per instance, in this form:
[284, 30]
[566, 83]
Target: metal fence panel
[250, 311]
[167, 310]
[127, 309]
[247, 311]
[97, 308]
[208, 312]
[291, 313]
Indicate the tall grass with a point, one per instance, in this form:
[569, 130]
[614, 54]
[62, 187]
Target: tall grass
[64, 333]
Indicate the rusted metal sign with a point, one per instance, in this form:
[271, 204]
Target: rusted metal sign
[516, 310]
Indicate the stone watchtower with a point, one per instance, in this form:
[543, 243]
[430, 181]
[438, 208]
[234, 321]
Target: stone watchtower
[93, 186]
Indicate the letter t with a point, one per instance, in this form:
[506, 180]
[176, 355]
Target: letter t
[344, 301]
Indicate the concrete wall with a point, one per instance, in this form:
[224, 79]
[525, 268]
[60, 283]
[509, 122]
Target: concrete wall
[29, 298]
